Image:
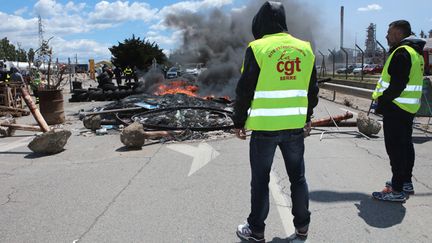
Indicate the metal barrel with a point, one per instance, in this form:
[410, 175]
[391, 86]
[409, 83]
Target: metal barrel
[51, 106]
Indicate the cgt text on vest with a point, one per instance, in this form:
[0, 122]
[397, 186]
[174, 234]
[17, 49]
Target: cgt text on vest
[288, 67]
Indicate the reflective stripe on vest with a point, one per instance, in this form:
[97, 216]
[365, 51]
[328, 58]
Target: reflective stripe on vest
[280, 101]
[409, 99]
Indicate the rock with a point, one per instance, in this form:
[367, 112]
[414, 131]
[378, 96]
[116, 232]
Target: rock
[7, 131]
[51, 142]
[367, 125]
[133, 135]
[92, 122]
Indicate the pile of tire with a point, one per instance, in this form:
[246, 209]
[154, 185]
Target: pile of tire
[96, 94]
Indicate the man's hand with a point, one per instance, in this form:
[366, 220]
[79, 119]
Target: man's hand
[307, 129]
[240, 133]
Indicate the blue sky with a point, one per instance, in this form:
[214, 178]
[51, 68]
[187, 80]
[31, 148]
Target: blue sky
[88, 28]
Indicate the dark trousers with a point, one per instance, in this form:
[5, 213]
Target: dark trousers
[399, 146]
[119, 80]
[128, 78]
[262, 149]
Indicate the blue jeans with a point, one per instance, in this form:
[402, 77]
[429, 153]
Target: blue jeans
[262, 149]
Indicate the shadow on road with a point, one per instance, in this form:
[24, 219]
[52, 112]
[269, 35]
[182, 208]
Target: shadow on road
[421, 140]
[9, 152]
[375, 213]
[127, 149]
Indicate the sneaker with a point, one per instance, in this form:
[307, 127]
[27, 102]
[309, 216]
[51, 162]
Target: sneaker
[389, 195]
[245, 233]
[407, 187]
[298, 237]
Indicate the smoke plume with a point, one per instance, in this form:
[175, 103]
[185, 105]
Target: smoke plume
[219, 40]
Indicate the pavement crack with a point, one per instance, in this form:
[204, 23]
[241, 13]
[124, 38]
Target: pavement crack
[368, 151]
[95, 221]
[5, 175]
[9, 197]
[422, 183]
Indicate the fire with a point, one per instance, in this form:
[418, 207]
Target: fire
[176, 87]
[183, 87]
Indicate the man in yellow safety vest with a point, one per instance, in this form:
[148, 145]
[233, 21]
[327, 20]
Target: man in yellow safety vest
[398, 93]
[276, 94]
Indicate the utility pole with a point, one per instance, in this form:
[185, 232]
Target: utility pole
[76, 64]
[70, 74]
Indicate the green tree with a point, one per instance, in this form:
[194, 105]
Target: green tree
[31, 55]
[136, 52]
[21, 55]
[7, 50]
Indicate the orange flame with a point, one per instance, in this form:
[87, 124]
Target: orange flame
[176, 87]
[182, 87]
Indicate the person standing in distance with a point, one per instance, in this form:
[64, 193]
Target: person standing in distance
[276, 94]
[398, 93]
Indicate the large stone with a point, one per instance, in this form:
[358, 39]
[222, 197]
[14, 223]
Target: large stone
[7, 131]
[92, 122]
[51, 142]
[367, 125]
[133, 135]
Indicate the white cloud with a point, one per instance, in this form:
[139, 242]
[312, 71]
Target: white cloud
[48, 8]
[370, 7]
[119, 11]
[193, 6]
[72, 7]
[239, 10]
[19, 29]
[160, 39]
[21, 11]
[83, 48]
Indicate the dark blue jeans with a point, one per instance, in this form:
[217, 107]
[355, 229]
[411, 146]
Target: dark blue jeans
[262, 149]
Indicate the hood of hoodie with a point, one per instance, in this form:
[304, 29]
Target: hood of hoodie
[270, 19]
[414, 42]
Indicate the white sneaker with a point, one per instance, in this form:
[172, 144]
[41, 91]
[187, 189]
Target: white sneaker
[245, 233]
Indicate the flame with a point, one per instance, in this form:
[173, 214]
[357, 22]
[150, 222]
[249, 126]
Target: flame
[176, 87]
[183, 87]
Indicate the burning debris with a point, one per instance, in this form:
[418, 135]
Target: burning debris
[177, 87]
[186, 118]
[178, 116]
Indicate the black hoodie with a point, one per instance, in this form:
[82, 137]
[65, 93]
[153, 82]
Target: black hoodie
[399, 70]
[270, 19]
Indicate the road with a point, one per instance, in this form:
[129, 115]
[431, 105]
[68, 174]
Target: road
[96, 191]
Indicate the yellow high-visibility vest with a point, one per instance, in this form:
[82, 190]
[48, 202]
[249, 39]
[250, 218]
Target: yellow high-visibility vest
[280, 100]
[409, 99]
[127, 71]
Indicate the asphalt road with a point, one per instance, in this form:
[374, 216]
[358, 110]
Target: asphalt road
[96, 191]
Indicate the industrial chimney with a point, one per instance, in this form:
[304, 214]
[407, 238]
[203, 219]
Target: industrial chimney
[342, 25]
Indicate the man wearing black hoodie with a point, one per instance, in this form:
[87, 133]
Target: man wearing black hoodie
[398, 94]
[276, 94]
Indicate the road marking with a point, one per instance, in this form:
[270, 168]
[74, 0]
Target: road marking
[201, 155]
[281, 204]
[355, 113]
[4, 147]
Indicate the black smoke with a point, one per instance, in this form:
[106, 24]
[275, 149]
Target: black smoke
[219, 40]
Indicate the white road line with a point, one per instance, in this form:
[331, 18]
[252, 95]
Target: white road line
[355, 113]
[201, 155]
[4, 147]
[281, 204]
